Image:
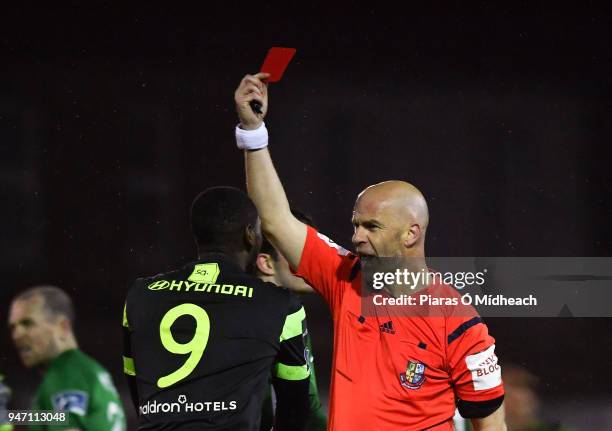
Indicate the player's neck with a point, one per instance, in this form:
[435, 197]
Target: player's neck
[67, 343]
[240, 258]
[62, 345]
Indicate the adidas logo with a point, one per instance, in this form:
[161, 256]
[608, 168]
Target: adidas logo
[387, 327]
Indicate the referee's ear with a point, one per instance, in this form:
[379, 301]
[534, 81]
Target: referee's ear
[265, 264]
[412, 235]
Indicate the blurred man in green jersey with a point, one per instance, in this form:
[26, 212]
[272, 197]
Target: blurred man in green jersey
[41, 322]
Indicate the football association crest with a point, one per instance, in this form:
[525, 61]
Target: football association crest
[414, 376]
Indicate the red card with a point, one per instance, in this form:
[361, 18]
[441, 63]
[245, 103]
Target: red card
[277, 61]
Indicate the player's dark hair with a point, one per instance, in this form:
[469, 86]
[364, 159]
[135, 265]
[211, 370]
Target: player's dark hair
[219, 216]
[267, 248]
[56, 302]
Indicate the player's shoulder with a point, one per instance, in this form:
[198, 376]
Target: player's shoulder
[159, 281]
[78, 372]
[148, 280]
[72, 382]
[69, 376]
[281, 297]
[294, 301]
[75, 362]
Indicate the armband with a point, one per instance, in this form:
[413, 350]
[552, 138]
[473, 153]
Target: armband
[479, 409]
[252, 139]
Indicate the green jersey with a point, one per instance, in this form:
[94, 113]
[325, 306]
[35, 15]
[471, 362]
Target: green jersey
[318, 418]
[5, 396]
[77, 384]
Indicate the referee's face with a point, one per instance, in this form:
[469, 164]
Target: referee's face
[390, 220]
[376, 229]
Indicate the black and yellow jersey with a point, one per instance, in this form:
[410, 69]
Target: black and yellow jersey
[200, 343]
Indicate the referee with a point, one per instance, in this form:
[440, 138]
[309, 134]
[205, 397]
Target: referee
[390, 372]
[200, 341]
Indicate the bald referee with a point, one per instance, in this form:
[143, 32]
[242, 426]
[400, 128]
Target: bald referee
[389, 373]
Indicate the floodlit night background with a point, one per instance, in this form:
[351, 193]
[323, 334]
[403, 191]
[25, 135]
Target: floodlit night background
[113, 117]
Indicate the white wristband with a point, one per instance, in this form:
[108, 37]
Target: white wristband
[252, 139]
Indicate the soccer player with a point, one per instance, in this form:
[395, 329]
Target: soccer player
[200, 341]
[272, 267]
[403, 373]
[41, 321]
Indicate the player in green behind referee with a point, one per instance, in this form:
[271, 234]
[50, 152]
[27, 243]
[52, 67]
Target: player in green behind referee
[272, 267]
[200, 341]
[41, 321]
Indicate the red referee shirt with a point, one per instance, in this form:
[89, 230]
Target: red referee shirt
[396, 372]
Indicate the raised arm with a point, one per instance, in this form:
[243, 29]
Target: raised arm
[282, 229]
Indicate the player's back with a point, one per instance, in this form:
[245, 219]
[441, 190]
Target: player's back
[203, 339]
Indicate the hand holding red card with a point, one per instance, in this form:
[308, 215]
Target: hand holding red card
[275, 64]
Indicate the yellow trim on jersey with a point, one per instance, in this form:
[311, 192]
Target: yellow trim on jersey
[125, 321]
[128, 366]
[291, 372]
[293, 325]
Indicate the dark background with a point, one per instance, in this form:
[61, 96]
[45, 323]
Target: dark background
[112, 118]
